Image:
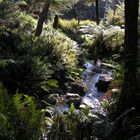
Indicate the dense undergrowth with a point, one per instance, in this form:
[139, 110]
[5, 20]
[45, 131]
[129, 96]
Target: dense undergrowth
[31, 62]
[19, 117]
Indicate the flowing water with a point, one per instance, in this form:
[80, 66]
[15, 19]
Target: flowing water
[90, 79]
[92, 97]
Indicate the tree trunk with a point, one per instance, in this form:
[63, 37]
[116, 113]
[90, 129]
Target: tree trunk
[114, 10]
[130, 93]
[56, 20]
[97, 12]
[97, 22]
[42, 17]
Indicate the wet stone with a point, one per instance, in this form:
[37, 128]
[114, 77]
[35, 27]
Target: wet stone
[103, 82]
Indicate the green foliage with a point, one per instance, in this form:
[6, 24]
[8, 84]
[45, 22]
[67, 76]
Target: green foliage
[113, 38]
[56, 6]
[73, 23]
[68, 24]
[66, 52]
[93, 125]
[77, 125]
[35, 64]
[61, 52]
[27, 22]
[25, 71]
[19, 117]
[118, 18]
[91, 34]
[71, 27]
[7, 7]
[72, 108]
[14, 17]
[67, 126]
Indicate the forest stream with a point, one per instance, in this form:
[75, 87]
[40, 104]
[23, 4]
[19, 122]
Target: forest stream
[93, 97]
[69, 70]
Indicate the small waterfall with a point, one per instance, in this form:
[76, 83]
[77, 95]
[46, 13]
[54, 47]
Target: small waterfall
[91, 76]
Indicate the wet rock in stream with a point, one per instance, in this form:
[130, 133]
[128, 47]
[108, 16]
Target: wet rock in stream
[48, 113]
[73, 98]
[71, 95]
[103, 82]
[75, 101]
[78, 88]
[52, 99]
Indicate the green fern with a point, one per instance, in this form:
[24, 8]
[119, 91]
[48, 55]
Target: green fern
[19, 117]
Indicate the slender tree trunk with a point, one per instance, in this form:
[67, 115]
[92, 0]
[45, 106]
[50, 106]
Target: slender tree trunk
[55, 23]
[97, 12]
[78, 21]
[106, 5]
[130, 93]
[114, 10]
[97, 22]
[42, 17]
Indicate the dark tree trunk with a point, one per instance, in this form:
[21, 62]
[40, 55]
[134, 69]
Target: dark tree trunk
[55, 23]
[78, 21]
[42, 17]
[130, 92]
[97, 12]
[114, 11]
[97, 22]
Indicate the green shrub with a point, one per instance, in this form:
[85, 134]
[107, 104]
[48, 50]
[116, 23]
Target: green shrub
[19, 117]
[30, 63]
[113, 38]
[20, 67]
[62, 54]
[73, 23]
[27, 22]
[63, 47]
[71, 27]
[77, 125]
[90, 34]
[15, 18]
[34, 65]
[68, 24]
[118, 18]
[69, 126]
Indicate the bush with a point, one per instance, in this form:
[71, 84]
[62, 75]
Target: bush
[62, 54]
[27, 22]
[71, 27]
[90, 34]
[71, 126]
[73, 23]
[113, 38]
[15, 18]
[19, 117]
[68, 24]
[31, 64]
[84, 124]
[118, 18]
